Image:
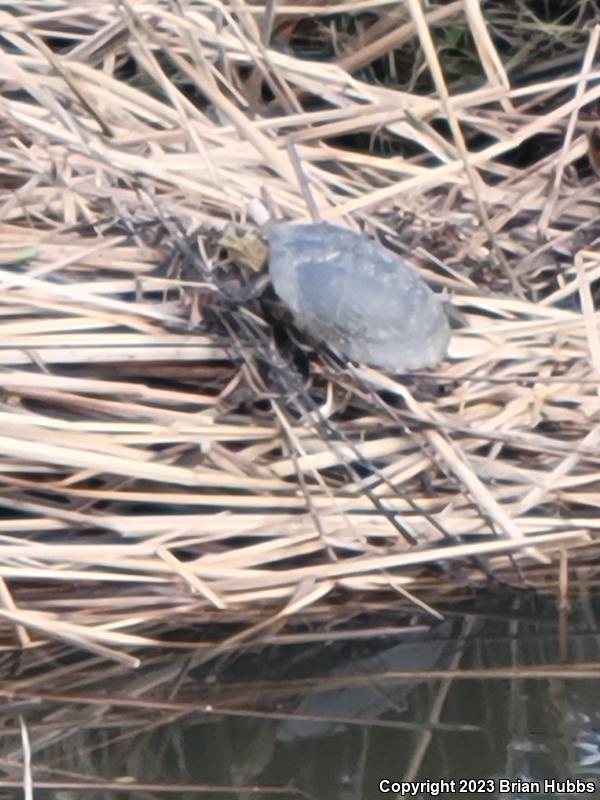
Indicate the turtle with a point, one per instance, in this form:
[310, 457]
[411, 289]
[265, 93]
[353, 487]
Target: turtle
[364, 301]
[246, 246]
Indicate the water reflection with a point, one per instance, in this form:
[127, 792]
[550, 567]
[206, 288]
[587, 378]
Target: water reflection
[486, 697]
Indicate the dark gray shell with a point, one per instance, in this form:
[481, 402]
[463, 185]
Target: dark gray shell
[361, 299]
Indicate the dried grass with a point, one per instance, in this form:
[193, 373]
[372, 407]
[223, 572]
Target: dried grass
[158, 471]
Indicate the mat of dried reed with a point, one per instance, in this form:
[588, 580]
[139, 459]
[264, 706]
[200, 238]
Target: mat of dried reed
[172, 455]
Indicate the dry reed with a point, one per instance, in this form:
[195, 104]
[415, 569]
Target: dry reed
[163, 462]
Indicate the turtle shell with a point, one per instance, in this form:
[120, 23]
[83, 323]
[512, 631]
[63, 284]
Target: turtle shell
[361, 299]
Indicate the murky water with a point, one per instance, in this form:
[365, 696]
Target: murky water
[494, 703]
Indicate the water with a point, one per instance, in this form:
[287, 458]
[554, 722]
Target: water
[489, 697]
